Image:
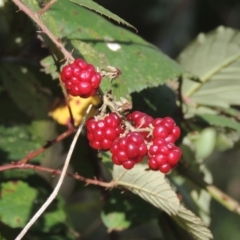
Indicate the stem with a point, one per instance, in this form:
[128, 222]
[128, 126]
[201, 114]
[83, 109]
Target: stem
[33, 154]
[56, 172]
[46, 7]
[34, 17]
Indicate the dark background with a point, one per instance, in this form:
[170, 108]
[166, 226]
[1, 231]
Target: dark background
[171, 24]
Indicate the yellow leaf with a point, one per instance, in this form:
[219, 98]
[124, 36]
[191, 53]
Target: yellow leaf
[60, 112]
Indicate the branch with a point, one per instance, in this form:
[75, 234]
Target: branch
[46, 7]
[47, 145]
[56, 172]
[35, 18]
[60, 181]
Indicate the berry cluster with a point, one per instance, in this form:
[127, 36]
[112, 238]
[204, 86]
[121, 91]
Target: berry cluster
[103, 132]
[141, 135]
[163, 155]
[81, 78]
[128, 150]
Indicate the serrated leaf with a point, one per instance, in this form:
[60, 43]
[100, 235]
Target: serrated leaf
[99, 9]
[215, 59]
[25, 90]
[149, 185]
[142, 64]
[220, 121]
[192, 224]
[49, 67]
[16, 203]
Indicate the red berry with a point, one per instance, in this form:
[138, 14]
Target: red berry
[132, 150]
[115, 160]
[129, 150]
[161, 159]
[128, 164]
[163, 155]
[104, 132]
[165, 168]
[160, 132]
[141, 120]
[80, 78]
[166, 128]
[176, 132]
[153, 164]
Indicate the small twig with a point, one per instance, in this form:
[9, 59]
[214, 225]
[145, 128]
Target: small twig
[56, 172]
[46, 7]
[66, 97]
[180, 99]
[34, 17]
[60, 181]
[33, 154]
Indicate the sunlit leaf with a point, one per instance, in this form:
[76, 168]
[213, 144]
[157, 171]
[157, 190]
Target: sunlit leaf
[215, 59]
[16, 203]
[150, 185]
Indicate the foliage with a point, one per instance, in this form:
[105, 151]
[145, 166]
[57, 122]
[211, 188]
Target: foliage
[200, 90]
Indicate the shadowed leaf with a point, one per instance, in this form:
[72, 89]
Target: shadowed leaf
[192, 224]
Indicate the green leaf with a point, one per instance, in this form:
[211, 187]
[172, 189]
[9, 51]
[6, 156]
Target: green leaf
[220, 121]
[25, 90]
[192, 224]
[149, 185]
[125, 209]
[215, 59]
[205, 143]
[115, 221]
[102, 43]
[49, 67]
[16, 142]
[99, 9]
[16, 203]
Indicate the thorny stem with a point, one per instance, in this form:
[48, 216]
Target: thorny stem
[66, 97]
[35, 18]
[55, 172]
[46, 7]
